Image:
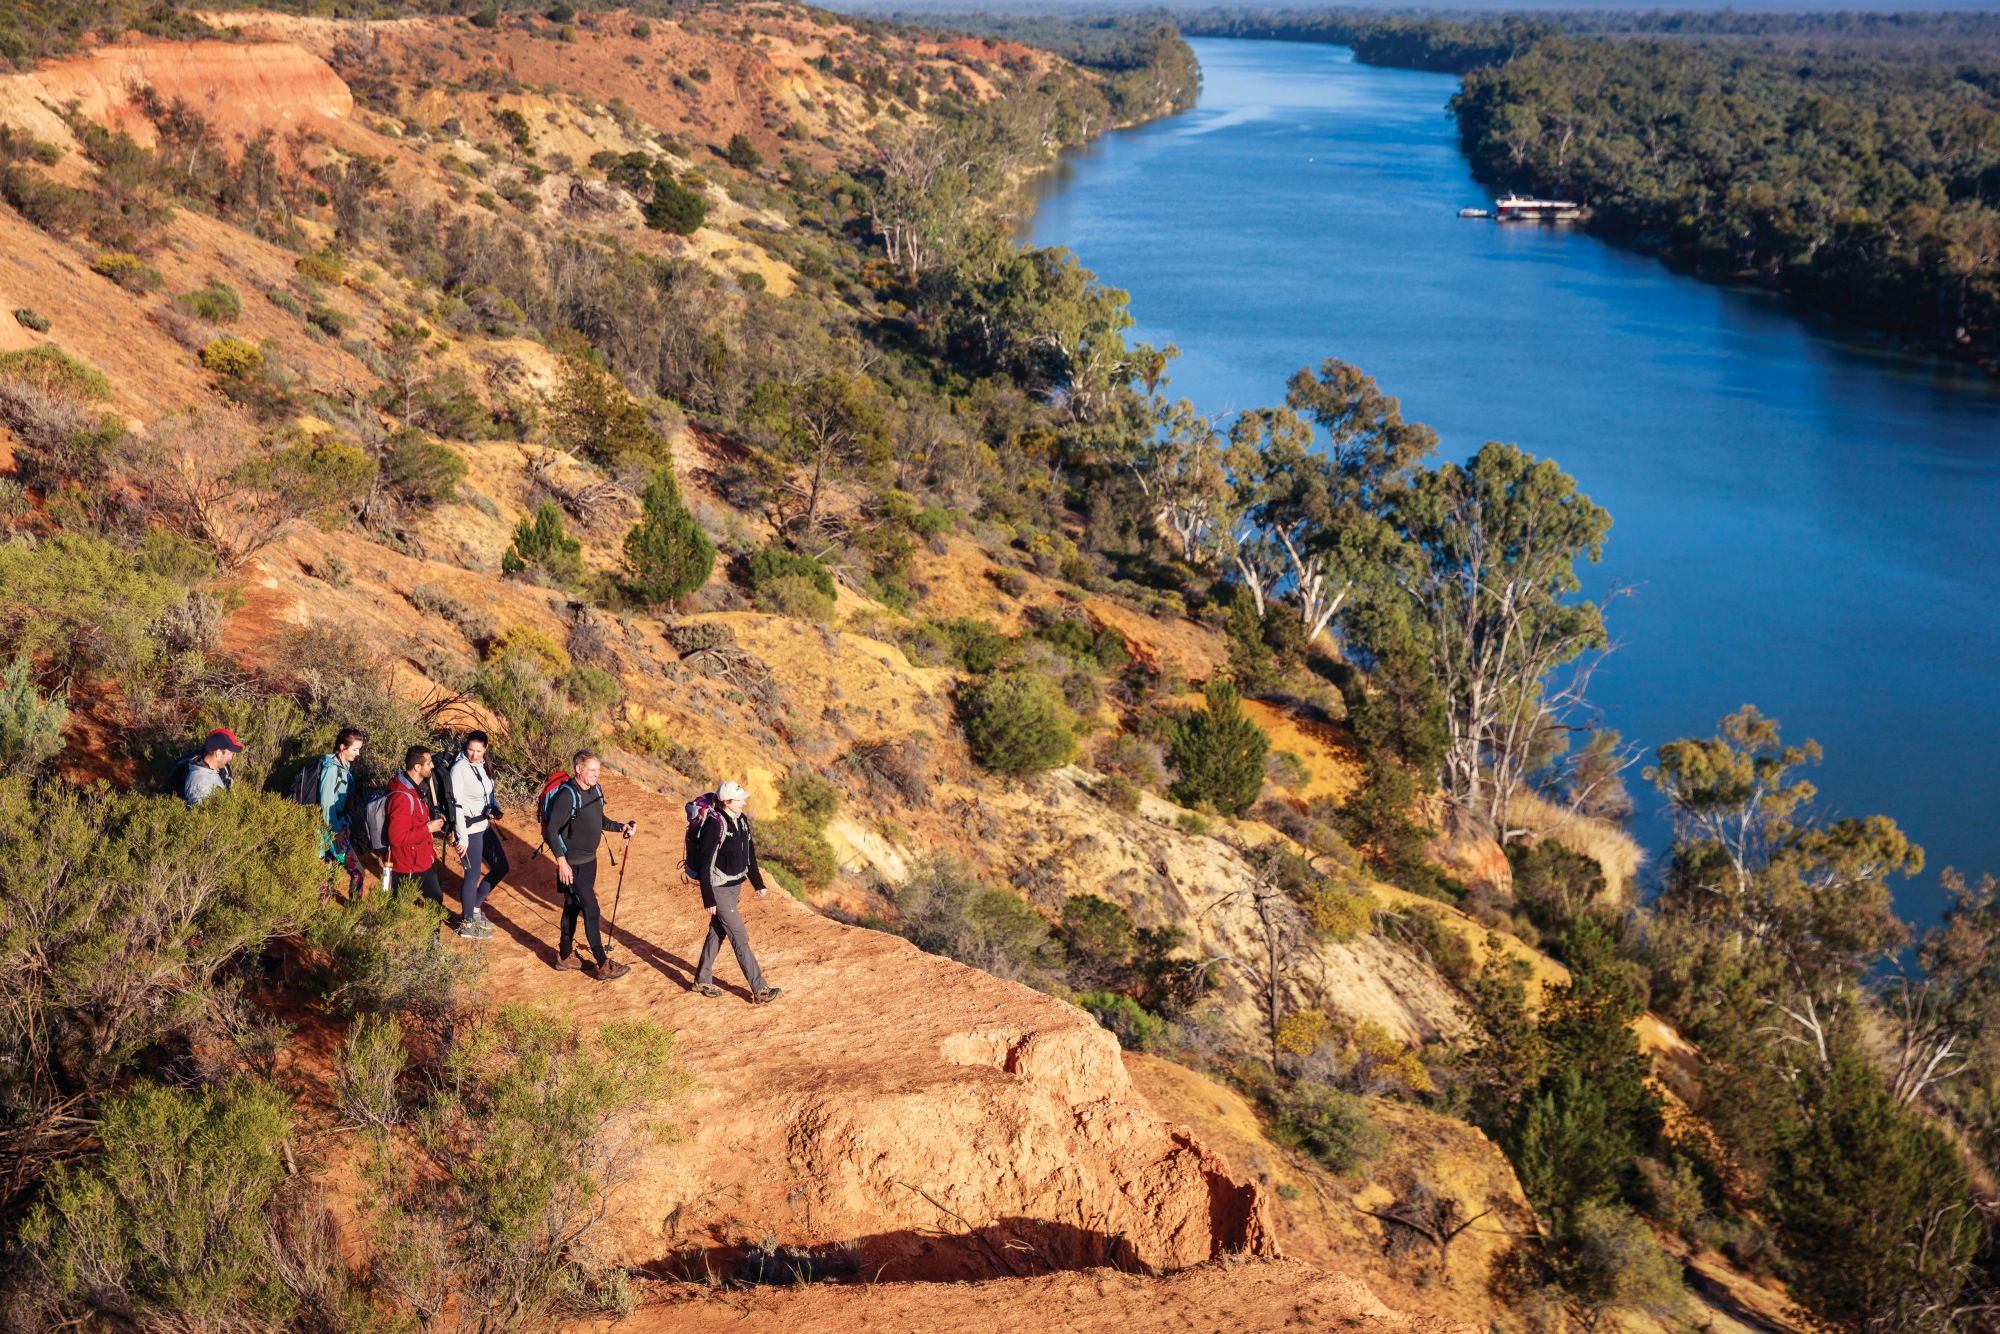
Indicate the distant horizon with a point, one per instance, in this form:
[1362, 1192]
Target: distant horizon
[1461, 7]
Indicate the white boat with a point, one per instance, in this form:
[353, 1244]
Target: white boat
[1526, 208]
[1475, 213]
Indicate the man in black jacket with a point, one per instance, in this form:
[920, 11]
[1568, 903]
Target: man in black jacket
[724, 857]
[574, 825]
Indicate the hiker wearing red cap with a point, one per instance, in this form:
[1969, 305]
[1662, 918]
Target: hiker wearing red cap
[411, 825]
[208, 770]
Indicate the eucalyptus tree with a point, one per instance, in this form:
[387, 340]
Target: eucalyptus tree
[1489, 578]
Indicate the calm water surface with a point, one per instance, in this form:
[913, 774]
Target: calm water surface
[1806, 522]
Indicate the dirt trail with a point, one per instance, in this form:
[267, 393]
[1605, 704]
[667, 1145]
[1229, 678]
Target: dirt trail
[910, 1116]
[1245, 1295]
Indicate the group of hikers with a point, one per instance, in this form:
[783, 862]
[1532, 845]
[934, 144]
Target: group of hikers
[398, 824]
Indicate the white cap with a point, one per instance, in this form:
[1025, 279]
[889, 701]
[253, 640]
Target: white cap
[732, 791]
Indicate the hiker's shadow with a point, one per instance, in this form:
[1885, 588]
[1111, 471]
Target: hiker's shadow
[533, 882]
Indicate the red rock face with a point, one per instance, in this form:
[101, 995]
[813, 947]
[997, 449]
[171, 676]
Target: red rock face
[898, 1111]
[240, 87]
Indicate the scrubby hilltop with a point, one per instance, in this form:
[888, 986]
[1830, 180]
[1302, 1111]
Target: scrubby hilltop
[670, 383]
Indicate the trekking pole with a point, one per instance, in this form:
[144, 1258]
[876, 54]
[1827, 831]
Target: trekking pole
[617, 895]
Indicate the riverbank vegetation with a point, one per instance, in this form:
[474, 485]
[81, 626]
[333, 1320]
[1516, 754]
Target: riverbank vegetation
[1846, 161]
[940, 377]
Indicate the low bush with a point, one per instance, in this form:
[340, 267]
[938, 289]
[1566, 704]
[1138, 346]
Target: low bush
[546, 1122]
[792, 842]
[1120, 793]
[1016, 724]
[380, 956]
[894, 766]
[946, 909]
[1426, 931]
[166, 1223]
[420, 472]
[31, 723]
[371, 1063]
[124, 909]
[322, 266]
[217, 302]
[809, 796]
[1135, 1028]
[31, 319]
[233, 358]
[50, 368]
[795, 596]
[475, 624]
[542, 550]
[1332, 1126]
[128, 271]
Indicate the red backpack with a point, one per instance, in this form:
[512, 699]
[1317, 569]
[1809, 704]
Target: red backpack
[556, 780]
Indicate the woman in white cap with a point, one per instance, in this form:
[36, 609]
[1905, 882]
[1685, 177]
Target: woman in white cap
[724, 857]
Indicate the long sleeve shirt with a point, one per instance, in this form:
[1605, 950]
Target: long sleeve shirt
[335, 782]
[725, 853]
[203, 783]
[471, 797]
[576, 823]
[410, 850]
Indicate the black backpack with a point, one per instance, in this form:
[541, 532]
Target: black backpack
[177, 777]
[447, 800]
[305, 783]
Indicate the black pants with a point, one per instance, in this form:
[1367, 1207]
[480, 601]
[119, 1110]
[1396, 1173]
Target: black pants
[580, 900]
[426, 883]
[483, 846]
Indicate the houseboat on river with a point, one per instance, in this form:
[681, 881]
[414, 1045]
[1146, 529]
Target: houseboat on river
[1525, 208]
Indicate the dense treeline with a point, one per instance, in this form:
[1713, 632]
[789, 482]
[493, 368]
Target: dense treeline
[1149, 68]
[1864, 188]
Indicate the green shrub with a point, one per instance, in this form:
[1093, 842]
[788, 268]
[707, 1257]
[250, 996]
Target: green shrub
[541, 547]
[31, 319]
[1332, 1126]
[1136, 1029]
[1191, 823]
[1016, 724]
[167, 1221]
[544, 729]
[321, 267]
[548, 1122]
[123, 911]
[741, 153]
[31, 723]
[773, 563]
[1120, 793]
[381, 956]
[50, 368]
[328, 321]
[233, 358]
[809, 796]
[946, 910]
[975, 645]
[793, 842]
[371, 1063]
[81, 599]
[1219, 753]
[787, 879]
[667, 555]
[218, 303]
[421, 472]
[286, 302]
[673, 207]
[795, 596]
[128, 271]
[1097, 934]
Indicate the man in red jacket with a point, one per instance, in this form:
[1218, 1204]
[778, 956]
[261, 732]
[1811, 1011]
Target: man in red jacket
[411, 825]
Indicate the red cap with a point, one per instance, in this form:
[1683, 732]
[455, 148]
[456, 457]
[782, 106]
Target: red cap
[221, 739]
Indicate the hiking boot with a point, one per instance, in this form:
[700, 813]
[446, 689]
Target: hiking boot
[612, 970]
[767, 995]
[709, 989]
[569, 963]
[485, 927]
[469, 930]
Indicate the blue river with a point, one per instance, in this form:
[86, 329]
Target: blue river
[1804, 521]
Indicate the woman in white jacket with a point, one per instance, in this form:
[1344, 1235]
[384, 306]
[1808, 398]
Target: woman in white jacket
[474, 835]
